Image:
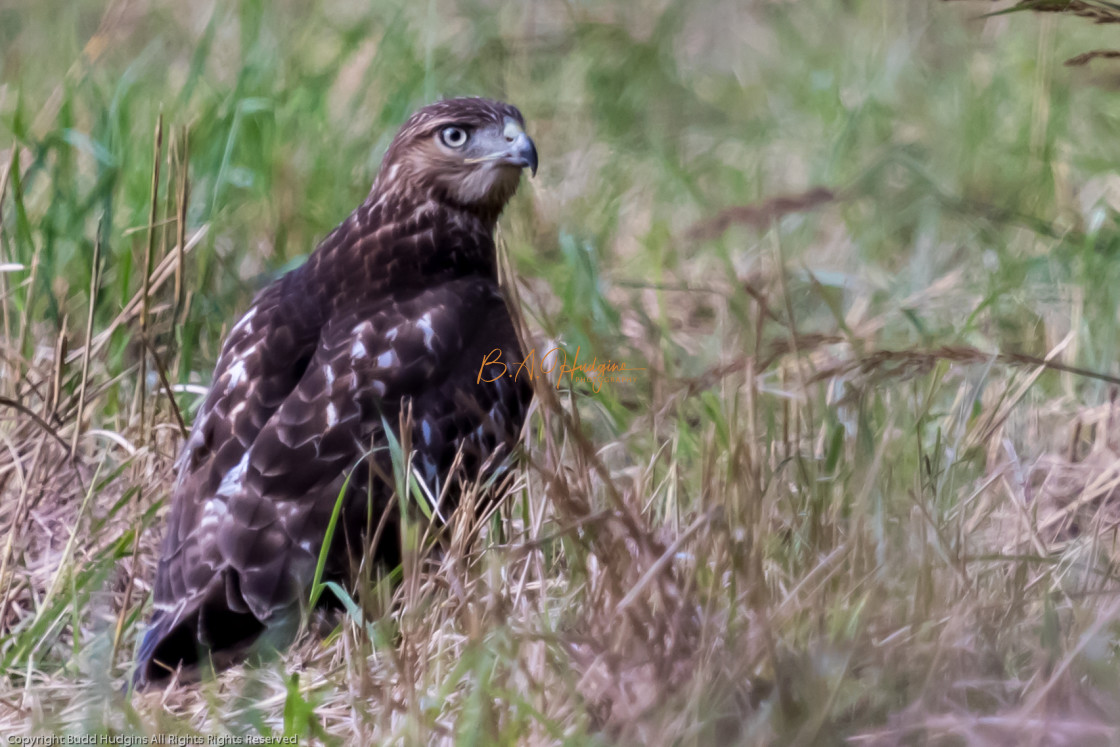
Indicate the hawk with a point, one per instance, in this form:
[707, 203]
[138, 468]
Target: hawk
[393, 313]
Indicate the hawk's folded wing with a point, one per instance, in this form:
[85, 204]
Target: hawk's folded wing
[260, 478]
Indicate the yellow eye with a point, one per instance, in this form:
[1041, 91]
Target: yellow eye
[454, 137]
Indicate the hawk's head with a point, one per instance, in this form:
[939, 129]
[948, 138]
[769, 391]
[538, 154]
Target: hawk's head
[466, 153]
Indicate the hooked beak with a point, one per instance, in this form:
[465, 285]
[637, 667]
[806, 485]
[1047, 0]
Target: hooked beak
[522, 153]
[520, 150]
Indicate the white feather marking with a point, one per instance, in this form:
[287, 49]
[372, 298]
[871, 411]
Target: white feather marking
[179, 607]
[236, 375]
[306, 545]
[358, 350]
[425, 325]
[332, 415]
[388, 359]
[212, 513]
[392, 334]
[426, 427]
[244, 323]
[232, 481]
[328, 373]
[378, 388]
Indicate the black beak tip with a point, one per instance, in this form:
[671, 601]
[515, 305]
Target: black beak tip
[530, 154]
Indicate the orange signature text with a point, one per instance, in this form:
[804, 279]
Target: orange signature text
[555, 362]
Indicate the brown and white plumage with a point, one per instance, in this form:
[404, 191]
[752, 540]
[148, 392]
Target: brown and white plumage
[396, 308]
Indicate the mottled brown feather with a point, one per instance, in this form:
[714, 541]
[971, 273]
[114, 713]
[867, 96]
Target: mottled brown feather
[396, 308]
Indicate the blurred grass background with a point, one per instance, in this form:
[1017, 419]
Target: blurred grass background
[846, 544]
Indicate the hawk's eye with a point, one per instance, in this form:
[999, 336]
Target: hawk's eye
[454, 137]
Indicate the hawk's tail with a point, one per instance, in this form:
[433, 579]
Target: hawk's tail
[204, 635]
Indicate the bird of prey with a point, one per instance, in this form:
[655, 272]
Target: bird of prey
[394, 312]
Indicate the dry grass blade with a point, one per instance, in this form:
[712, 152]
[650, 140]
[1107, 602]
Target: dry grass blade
[26, 316]
[182, 199]
[34, 417]
[145, 293]
[761, 215]
[165, 383]
[1099, 11]
[163, 271]
[94, 285]
[1096, 54]
[58, 371]
[17, 517]
[5, 319]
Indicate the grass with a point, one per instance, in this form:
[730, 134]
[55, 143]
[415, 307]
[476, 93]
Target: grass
[842, 502]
